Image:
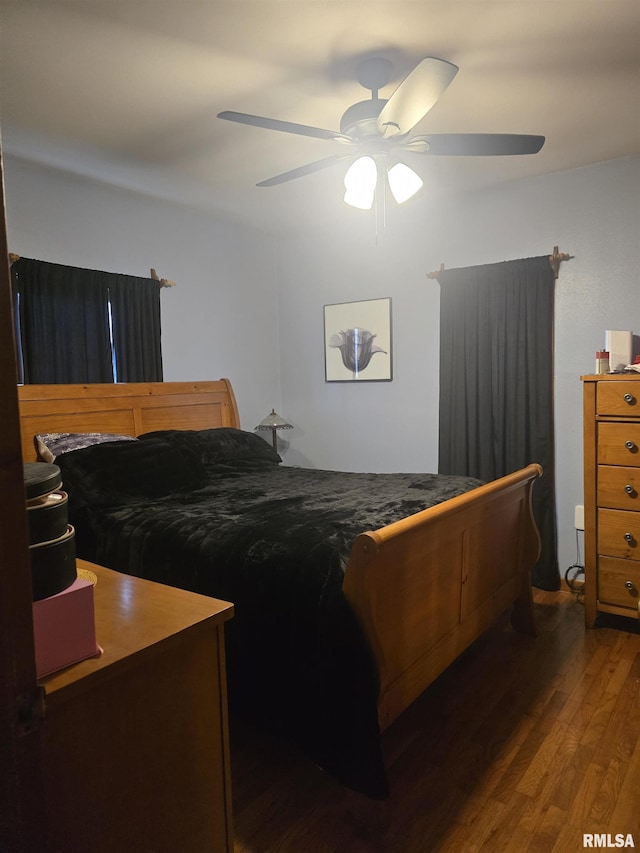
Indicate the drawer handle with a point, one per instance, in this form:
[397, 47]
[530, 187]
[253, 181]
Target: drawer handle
[631, 445]
[629, 537]
[629, 398]
[630, 586]
[629, 489]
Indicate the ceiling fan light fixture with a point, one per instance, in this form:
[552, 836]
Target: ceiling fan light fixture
[360, 183]
[381, 126]
[403, 182]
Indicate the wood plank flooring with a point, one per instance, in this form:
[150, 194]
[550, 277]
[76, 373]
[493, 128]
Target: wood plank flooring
[524, 744]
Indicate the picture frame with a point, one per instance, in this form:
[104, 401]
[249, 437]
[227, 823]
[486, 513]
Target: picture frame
[357, 341]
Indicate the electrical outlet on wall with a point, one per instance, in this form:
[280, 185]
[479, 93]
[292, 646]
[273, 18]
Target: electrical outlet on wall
[579, 523]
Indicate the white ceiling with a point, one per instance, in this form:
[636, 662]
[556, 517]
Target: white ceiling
[128, 90]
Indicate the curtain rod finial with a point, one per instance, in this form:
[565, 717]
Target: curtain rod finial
[164, 282]
[556, 259]
[436, 274]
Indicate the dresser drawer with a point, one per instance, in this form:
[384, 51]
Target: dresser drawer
[619, 582]
[619, 444]
[618, 398]
[618, 488]
[619, 533]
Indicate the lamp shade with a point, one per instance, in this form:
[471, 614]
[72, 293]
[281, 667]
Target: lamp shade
[403, 182]
[360, 183]
[274, 421]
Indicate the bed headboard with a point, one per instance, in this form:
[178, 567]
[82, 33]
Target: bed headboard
[128, 408]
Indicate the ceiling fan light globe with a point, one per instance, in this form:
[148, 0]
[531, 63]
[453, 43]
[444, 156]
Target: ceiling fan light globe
[403, 182]
[360, 183]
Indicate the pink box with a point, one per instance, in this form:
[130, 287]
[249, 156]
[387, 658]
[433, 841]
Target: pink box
[64, 628]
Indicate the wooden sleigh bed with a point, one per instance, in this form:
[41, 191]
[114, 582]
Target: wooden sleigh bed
[422, 588]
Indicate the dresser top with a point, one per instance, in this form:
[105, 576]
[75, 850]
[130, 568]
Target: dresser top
[136, 616]
[610, 377]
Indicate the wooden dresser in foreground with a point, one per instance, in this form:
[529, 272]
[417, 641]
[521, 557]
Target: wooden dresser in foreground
[612, 495]
[136, 754]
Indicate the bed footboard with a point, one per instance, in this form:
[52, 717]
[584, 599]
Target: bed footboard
[424, 588]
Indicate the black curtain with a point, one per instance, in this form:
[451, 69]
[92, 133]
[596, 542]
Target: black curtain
[496, 383]
[135, 313]
[64, 331]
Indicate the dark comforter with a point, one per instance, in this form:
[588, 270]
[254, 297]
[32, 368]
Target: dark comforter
[214, 512]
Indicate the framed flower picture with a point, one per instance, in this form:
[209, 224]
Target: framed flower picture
[357, 341]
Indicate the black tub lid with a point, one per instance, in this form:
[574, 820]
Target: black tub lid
[40, 478]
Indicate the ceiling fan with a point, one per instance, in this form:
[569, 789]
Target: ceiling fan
[379, 130]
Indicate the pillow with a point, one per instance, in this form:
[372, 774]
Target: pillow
[110, 473]
[221, 446]
[51, 444]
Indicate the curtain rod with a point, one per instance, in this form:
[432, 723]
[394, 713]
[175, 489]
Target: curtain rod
[164, 282]
[555, 260]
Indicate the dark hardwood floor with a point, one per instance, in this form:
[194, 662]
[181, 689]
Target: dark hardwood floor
[524, 744]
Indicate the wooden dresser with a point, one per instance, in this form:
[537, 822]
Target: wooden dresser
[135, 744]
[612, 495]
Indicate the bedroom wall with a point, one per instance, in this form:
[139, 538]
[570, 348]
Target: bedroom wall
[592, 213]
[221, 271]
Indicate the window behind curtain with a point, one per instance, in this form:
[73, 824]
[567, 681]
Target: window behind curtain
[84, 326]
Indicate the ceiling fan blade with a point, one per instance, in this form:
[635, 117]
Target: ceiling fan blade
[415, 96]
[284, 126]
[476, 144]
[301, 171]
